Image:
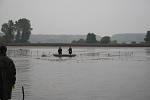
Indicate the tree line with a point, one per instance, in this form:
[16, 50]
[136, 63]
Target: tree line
[16, 32]
[147, 37]
[91, 38]
[20, 31]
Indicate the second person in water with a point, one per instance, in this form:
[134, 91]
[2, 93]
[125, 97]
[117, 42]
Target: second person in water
[70, 50]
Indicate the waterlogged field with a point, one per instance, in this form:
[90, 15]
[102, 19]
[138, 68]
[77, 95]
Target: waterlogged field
[94, 74]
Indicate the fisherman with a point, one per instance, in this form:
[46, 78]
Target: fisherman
[7, 74]
[60, 51]
[70, 50]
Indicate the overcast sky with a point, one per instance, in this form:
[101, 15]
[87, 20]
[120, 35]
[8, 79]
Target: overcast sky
[103, 17]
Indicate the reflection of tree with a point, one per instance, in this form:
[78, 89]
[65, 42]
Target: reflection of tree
[93, 54]
[18, 52]
[147, 51]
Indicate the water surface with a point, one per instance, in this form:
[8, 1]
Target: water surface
[94, 74]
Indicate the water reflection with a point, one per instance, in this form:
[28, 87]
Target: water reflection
[147, 51]
[18, 52]
[119, 74]
[24, 70]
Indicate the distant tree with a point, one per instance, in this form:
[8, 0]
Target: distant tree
[147, 38]
[79, 41]
[74, 41]
[123, 43]
[8, 29]
[18, 36]
[141, 43]
[2, 39]
[91, 38]
[105, 40]
[23, 27]
[114, 42]
[133, 42]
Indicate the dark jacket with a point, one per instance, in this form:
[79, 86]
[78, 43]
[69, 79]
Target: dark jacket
[7, 77]
[60, 51]
[70, 50]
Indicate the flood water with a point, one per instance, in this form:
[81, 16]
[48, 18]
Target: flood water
[96, 73]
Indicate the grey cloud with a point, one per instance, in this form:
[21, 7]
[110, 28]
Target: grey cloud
[80, 16]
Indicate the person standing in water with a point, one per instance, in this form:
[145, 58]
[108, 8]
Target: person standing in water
[70, 50]
[60, 51]
[7, 74]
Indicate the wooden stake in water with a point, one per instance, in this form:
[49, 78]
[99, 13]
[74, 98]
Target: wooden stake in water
[22, 93]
